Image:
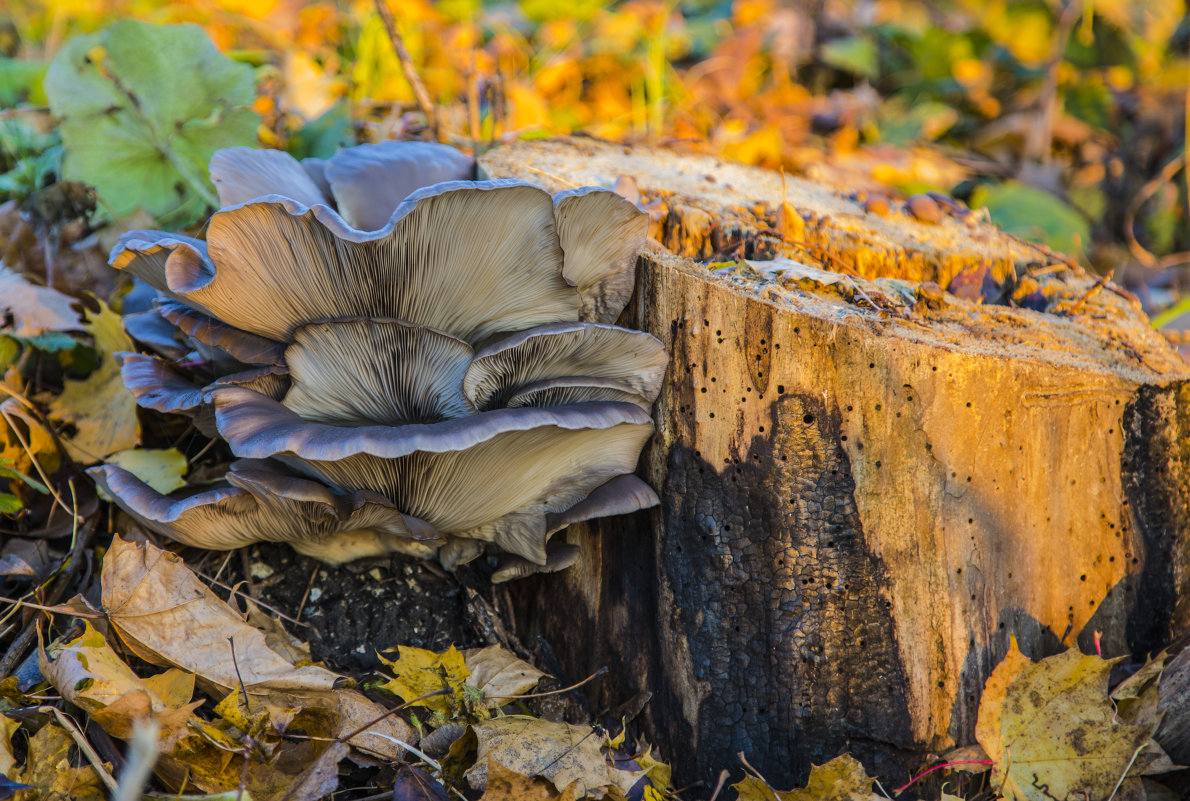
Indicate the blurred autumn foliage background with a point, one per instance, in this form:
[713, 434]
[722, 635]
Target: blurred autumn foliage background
[1067, 121]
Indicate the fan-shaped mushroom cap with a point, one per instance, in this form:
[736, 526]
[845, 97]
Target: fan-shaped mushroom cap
[496, 239]
[162, 260]
[156, 384]
[241, 346]
[369, 181]
[257, 503]
[270, 381]
[601, 234]
[575, 389]
[560, 556]
[378, 371]
[620, 496]
[153, 331]
[456, 475]
[564, 350]
[241, 174]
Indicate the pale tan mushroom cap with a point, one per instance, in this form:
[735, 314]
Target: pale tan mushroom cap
[259, 502]
[362, 301]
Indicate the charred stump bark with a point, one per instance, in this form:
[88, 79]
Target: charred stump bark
[867, 484]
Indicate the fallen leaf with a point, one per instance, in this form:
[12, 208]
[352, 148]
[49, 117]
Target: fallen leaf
[561, 752]
[8, 760]
[35, 309]
[418, 672]
[508, 785]
[841, 779]
[166, 616]
[161, 468]
[414, 784]
[1053, 732]
[499, 674]
[100, 407]
[49, 770]
[89, 674]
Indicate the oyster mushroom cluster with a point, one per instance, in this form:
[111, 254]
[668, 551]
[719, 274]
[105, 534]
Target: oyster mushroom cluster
[400, 358]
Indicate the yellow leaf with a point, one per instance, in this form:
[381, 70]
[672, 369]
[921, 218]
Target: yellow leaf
[89, 674]
[100, 408]
[1053, 732]
[160, 468]
[8, 727]
[49, 770]
[841, 779]
[418, 672]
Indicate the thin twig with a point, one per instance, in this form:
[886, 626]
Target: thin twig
[1090, 293]
[408, 68]
[259, 603]
[1139, 251]
[592, 677]
[84, 747]
[723, 774]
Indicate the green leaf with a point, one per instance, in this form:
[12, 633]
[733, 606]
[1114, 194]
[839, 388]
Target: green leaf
[20, 81]
[52, 341]
[320, 138]
[854, 54]
[1035, 215]
[10, 504]
[143, 107]
[161, 469]
[10, 472]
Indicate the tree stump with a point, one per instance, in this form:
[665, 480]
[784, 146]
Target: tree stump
[867, 484]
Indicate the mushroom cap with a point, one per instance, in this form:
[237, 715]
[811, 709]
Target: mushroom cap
[560, 556]
[360, 370]
[239, 346]
[158, 385]
[575, 389]
[457, 475]
[562, 350]
[156, 333]
[241, 174]
[364, 183]
[601, 234]
[369, 181]
[155, 256]
[496, 238]
[257, 502]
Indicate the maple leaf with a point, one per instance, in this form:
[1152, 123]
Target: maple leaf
[1052, 731]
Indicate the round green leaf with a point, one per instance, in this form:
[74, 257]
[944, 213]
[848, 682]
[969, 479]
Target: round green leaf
[143, 107]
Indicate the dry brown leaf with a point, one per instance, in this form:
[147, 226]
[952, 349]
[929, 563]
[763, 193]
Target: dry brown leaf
[499, 674]
[89, 674]
[35, 309]
[508, 785]
[165, 615]
[841, 779]
[275, 635]
[1052, 731]
[563, 753]
[100, 407]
